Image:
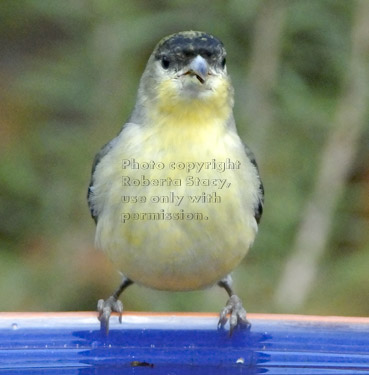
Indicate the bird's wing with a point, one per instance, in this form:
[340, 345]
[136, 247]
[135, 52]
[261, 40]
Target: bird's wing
[258, 210]
[98, 157]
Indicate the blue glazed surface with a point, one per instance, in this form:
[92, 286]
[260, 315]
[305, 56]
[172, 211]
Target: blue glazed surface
[180, 345]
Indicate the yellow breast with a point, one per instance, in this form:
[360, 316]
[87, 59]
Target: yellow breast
[172, 228]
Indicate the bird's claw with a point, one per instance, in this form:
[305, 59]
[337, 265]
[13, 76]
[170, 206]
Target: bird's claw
[105, 308]
[237, 314]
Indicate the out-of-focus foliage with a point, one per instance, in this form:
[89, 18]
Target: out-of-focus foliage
[69, 72]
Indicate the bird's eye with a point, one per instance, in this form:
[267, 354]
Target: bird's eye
[165, 62]
[223, 62]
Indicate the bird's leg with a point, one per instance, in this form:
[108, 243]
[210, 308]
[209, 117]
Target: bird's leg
[233, 307]
[106, 307]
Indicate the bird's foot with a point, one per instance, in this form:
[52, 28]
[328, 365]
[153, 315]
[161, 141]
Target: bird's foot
[105, 308]
[237, 316]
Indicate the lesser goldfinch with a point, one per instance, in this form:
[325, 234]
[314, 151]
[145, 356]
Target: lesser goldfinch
[177, 196]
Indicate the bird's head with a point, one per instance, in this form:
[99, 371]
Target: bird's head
[187, 74]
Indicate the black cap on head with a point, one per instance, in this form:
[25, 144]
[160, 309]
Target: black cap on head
[180, 48]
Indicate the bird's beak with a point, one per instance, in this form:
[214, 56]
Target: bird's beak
[199, 68]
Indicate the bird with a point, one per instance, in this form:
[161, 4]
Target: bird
[177, 196]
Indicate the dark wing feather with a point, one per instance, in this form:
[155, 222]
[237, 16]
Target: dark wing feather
[98, 157]
[258, 210]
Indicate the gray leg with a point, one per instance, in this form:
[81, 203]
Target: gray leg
[233, 307]
[106, 307]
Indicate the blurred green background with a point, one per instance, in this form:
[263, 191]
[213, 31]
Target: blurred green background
[69, 72]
